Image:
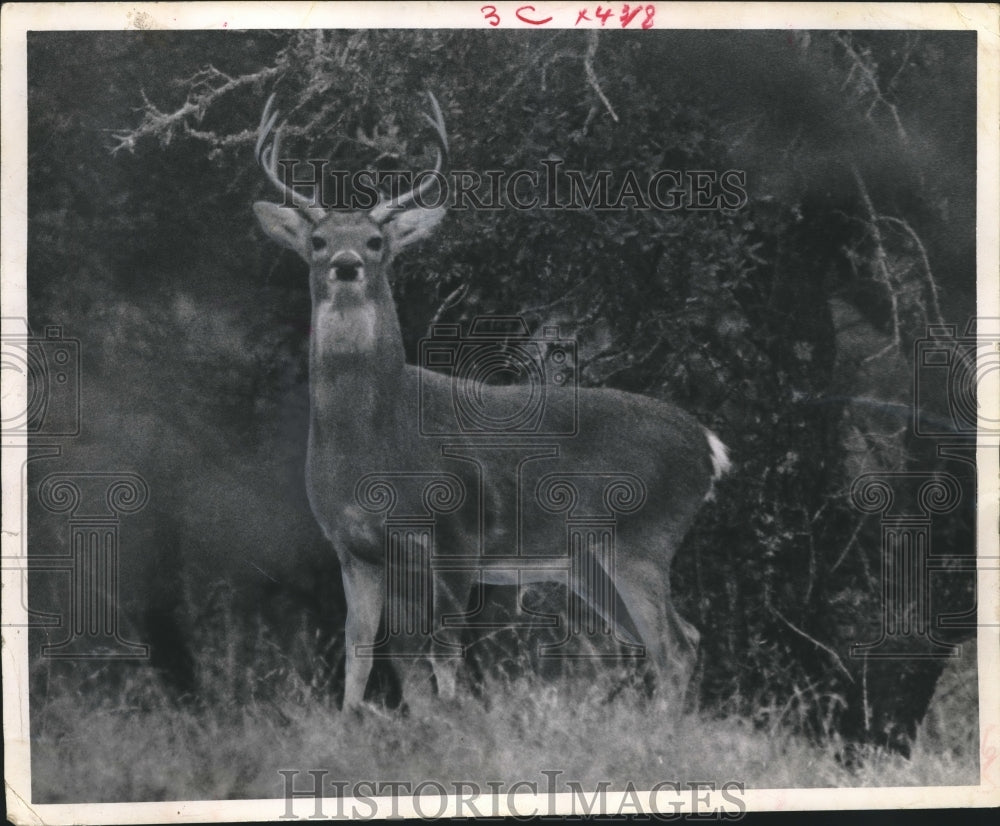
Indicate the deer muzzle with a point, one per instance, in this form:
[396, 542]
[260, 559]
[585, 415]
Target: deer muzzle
[347, 266]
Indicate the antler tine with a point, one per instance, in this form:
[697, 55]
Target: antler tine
[267, 121]
[267, 158]
[385, 208]
[438, 123]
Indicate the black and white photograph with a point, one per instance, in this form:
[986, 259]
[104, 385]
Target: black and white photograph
[477, 410]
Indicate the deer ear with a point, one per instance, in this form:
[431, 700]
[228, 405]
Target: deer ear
[409, 226]
[289, 227]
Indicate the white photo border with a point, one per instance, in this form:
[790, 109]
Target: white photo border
[18, 19]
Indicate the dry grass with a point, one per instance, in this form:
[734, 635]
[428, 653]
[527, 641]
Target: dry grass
[144, 747]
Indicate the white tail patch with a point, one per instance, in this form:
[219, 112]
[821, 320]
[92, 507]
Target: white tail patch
[720, 461]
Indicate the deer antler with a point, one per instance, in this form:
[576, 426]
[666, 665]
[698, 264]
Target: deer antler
[384, 209]
[267, 157]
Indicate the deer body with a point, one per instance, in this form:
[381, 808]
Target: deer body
[366, 406]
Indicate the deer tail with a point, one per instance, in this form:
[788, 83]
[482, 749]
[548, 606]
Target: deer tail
[721, 463]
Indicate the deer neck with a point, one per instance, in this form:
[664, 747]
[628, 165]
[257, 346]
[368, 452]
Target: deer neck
[356, 362]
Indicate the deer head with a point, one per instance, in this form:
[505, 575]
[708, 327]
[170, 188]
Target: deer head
[349, 253]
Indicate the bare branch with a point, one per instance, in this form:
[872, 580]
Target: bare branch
[833, 654]
[931, 283]
[912, 41]
[865, 65]
[526, 66]
[207, 86]
[588, 66]
[848, 546]
[881, 270]
[453, 298]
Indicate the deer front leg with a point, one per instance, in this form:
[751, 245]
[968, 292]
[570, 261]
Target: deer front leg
[364, 588]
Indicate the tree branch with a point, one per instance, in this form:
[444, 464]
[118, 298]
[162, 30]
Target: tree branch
[588, 66]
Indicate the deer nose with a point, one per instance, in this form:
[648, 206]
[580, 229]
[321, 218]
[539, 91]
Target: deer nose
[347, 266]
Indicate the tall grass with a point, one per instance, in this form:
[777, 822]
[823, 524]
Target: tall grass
[141, 745]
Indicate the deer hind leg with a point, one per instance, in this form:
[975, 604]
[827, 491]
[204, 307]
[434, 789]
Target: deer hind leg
[682, 647]
[600, 592]
[671, 642]
[430, 658]
[364, 588]
[416, 675]
[451, 597]
[445, 676]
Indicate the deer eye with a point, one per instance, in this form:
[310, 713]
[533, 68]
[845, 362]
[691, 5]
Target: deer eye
[318, 244]
[374, 243]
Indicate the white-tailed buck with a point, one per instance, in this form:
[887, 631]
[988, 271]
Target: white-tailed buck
[431, 483]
